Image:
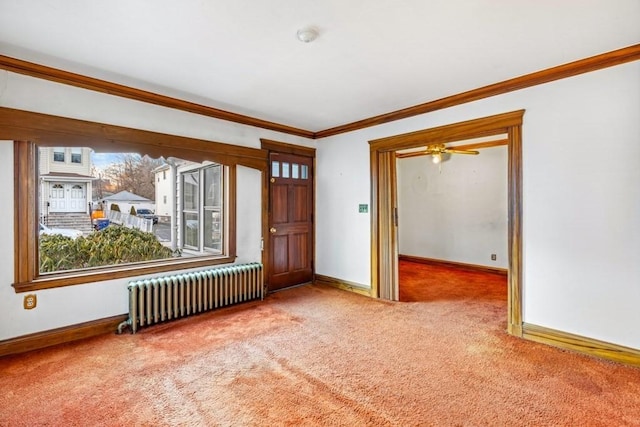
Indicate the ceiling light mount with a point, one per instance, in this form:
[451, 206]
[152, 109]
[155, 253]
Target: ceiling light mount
[307, 34]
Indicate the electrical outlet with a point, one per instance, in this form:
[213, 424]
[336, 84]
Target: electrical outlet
[493, 257]
[30, 301]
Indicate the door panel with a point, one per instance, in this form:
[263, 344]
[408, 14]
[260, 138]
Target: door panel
[280, 260]
[279, 203]
[291, 220]
[301, 206]
[299, 255]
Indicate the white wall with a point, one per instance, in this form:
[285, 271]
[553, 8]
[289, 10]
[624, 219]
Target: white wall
[165, 189]
[581, 214]
[75, 304]
[342, 233]
[454, 211]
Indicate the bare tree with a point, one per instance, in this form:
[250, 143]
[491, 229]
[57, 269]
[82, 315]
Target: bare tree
[134, 173]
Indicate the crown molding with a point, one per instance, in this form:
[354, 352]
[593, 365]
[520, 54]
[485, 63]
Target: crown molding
[609, 59]
[60, 76]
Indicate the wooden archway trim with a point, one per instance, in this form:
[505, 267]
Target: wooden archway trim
[384, 243]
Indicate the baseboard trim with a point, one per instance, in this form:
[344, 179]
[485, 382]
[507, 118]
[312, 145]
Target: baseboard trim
[345, 285]
[461, 265]
[65, 334]
[580, 344]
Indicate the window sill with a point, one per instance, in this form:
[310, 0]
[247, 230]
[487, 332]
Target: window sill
[79, 277]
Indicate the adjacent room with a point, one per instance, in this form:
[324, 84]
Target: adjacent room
[319, 213]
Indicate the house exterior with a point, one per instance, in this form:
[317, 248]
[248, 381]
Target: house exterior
[125, 201]
[65, 181]
[165, 190]
[189, 197]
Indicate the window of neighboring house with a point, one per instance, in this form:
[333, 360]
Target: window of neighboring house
[164, 175]
[164, 199]
[58, 154]
[76, 155]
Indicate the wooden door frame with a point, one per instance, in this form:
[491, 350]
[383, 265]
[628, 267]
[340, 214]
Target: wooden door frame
[384, 242]
[284, 148]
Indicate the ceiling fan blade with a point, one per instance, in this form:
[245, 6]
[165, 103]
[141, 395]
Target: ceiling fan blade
[453, 151]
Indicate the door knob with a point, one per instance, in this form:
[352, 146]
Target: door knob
[272, 230]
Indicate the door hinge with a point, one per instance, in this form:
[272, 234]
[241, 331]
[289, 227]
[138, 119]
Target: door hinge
[262, 244]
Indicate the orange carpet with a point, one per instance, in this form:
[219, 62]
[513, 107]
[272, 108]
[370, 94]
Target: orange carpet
[315, 356]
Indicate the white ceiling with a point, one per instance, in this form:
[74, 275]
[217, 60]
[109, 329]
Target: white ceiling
[372, 56]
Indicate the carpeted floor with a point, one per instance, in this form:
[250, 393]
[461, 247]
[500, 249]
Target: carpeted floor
[316, 355]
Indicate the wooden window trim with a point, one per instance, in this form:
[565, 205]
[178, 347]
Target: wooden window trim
[28, 129]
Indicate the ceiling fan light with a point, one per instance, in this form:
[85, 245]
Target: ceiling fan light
[436, 158]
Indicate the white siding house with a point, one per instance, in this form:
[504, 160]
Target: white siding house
[65, 180]
[189, 196]
[165, 191]
[125, 201]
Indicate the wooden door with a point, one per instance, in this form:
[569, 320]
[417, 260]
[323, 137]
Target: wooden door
[290, 220]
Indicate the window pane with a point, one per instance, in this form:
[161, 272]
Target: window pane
[294, 170]
[285, 170]
[190, 188]
[305, 172]
[76, 155]
[212, 186]
[191, 230]
[212, 230]
[58, 154]
[129, 214]
[275, 169]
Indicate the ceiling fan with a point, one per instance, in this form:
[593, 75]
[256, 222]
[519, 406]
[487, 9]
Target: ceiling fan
[437, 150]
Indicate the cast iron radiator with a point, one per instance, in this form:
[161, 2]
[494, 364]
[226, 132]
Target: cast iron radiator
[170, 297]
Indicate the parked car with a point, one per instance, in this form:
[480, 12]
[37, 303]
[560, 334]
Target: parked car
[147, 214]
[68, 232]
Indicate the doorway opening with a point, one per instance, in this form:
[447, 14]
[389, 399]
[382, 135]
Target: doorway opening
[452, 221]
[384, 215]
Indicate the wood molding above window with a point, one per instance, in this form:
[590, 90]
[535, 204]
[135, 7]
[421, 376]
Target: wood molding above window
[28, 129]
[56, 131]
